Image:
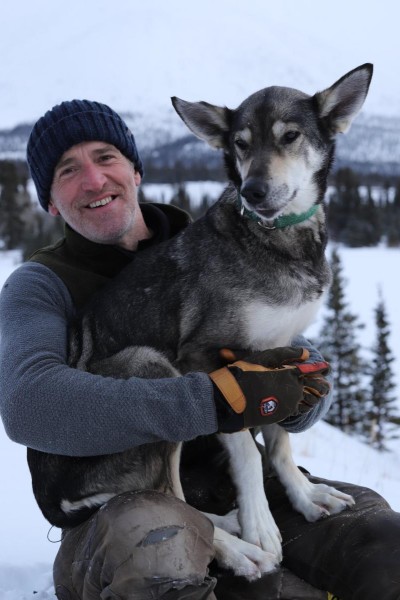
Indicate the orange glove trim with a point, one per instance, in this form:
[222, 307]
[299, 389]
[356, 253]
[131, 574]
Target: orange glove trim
[229, 388]
[227, 355]
[305, 355]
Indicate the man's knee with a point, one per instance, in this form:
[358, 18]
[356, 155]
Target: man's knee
[137, 541]
[148, 523]
[372, 552]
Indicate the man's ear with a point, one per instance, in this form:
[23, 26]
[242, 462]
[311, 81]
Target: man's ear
[138, 178]
[52, 210]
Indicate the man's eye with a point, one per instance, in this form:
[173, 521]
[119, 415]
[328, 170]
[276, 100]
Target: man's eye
[106, 157]
[290, 136]
[65, 172]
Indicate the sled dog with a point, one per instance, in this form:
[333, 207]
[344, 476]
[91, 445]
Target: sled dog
[250, 274]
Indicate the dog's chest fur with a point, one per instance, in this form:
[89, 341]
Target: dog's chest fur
[269, 326]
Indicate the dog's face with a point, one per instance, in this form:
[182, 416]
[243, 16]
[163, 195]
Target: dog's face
[275, 150]
[279, 142]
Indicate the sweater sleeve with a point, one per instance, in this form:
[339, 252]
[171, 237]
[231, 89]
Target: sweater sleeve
[306, 420]
[49, 406]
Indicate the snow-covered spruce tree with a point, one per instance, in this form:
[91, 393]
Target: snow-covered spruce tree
[383, 418]
[338, 344]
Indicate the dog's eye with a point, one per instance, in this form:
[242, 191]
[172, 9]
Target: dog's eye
[290, 136]
[241, 144]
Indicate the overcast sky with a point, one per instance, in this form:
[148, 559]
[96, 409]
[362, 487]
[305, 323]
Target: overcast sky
[135, 54]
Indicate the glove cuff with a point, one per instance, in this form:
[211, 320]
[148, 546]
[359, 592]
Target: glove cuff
[228, 421]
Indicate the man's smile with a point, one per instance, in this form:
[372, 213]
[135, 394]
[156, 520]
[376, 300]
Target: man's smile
[102, 202]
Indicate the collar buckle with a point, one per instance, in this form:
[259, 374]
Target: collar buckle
[265, 226]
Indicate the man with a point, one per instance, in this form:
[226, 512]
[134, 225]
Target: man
[86, 168]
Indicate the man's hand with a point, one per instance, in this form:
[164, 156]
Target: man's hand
[266, 387]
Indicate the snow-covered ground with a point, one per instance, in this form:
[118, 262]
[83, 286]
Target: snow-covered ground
[28, 546]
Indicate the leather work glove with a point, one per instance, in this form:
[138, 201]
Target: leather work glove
[266, 387]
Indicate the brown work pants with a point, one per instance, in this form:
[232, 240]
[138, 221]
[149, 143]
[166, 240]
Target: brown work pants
[146, 546]
[138, 546]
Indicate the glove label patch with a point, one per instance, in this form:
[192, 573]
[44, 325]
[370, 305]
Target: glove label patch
[268, 406]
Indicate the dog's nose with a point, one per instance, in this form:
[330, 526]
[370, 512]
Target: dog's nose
[255, 191]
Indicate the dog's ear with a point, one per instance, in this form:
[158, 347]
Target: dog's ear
[206, 121]
[339, 104]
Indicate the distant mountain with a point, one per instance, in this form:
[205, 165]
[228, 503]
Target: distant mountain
[213, 51]
[372, 145]
[13, 142]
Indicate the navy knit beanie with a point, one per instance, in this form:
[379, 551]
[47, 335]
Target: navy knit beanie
[68, 124]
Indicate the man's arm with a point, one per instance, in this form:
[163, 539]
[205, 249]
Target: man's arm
[51, 407]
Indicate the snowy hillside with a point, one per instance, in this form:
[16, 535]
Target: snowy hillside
[215, 51]
[153, 50]
[25, 552]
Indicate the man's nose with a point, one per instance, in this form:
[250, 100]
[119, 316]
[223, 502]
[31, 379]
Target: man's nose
[92, 178]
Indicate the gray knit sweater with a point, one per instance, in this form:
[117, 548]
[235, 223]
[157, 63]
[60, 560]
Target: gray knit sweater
[51, 407]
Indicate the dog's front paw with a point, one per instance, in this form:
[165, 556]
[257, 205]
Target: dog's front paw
[259, 527]
[319, 500]
[327, 500]
[229, 522]
[244, 559]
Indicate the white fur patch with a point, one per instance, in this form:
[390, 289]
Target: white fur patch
[95, 500]
[279, 128]
[174, 466]
[244, 134]
[270, 326]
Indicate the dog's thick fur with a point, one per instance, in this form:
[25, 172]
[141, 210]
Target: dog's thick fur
[231, 280]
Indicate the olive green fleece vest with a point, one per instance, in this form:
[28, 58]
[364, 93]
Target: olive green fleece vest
[86, 266]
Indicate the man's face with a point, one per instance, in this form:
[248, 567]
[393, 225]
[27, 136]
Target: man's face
[94, 189]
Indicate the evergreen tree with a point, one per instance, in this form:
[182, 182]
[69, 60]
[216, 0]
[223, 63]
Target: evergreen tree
[352, 219]
[343, 204]
[13, 203]
[141, 195]
[182, 199]
[392, 219]
[43, 230]
[382, 414]
[23, 224]
[339, 346]
[371, 220]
